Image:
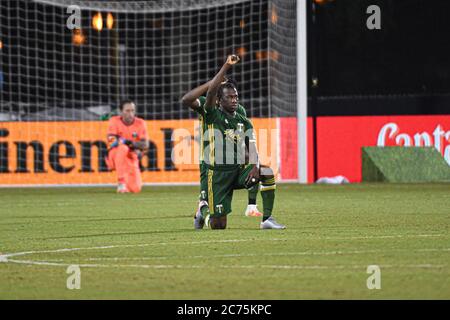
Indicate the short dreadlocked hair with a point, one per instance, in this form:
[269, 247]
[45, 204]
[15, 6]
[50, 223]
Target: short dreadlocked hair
[227, 85]
[231, 80]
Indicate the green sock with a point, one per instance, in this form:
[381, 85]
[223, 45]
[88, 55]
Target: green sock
[252, 193]
[268, 198]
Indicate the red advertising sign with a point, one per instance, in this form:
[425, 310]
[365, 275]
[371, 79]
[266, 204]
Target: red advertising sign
[339, 139]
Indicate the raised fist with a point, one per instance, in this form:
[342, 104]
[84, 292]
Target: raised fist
[232, 59]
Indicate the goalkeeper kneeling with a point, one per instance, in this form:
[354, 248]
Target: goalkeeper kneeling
[127, 139]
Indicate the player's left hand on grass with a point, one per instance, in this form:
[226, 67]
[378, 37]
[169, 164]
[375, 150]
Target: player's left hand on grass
[253, 177]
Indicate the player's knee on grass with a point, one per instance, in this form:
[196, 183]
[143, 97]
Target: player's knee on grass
[134, 182]
[218, 222]
[135, 188]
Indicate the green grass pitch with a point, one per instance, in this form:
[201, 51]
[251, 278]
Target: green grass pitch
[144, 246]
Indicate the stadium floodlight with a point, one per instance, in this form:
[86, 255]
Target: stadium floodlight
[97, 22]
[78, 37]
[109, 21]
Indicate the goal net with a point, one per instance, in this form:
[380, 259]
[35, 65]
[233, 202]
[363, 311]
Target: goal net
[66, 64]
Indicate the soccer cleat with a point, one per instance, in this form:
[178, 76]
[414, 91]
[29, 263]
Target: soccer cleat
[199, 221]
[122, 188]
[270, 223]
[252, 211]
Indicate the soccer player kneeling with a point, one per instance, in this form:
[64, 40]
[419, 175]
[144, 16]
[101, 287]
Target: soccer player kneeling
[223, 127]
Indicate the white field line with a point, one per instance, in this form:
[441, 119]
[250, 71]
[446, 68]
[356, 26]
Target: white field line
[177, 266]
[277, 254]
[7, 257]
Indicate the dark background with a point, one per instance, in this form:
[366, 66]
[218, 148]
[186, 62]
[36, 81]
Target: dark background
[404, 68]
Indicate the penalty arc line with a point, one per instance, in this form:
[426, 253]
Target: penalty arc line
[286, 267]
[275, 254]
[6, 257]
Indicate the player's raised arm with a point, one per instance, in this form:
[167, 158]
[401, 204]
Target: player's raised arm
[216, 81]
[190, 99]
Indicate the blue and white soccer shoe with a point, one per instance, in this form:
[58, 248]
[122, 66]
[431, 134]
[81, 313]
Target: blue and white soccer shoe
[270, 223]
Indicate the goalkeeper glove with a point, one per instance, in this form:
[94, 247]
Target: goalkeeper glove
[112, 142]
[128, 143]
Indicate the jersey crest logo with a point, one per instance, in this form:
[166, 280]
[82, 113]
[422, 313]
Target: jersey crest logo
[232, 136]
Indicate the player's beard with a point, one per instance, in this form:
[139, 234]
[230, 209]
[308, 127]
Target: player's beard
[128, 120]
[230, 109]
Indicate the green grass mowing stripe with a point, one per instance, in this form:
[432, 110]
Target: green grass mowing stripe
[400, 227]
